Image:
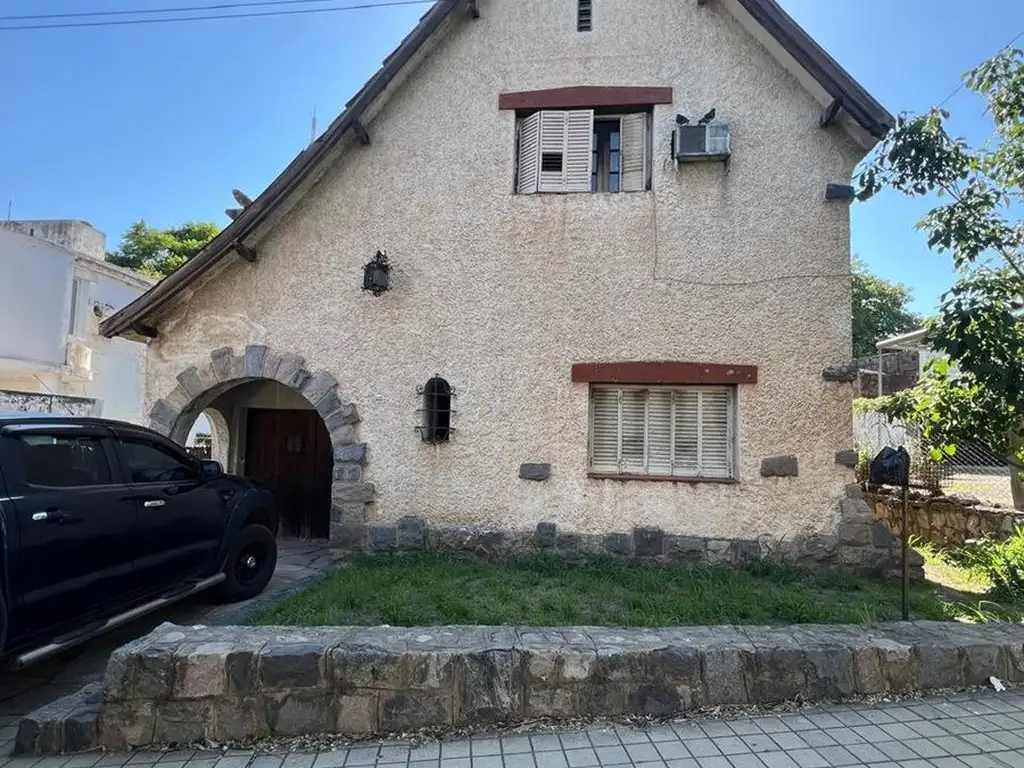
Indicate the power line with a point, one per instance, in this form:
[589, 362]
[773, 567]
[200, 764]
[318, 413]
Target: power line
[143, 11]
[960, 87]
[290, 12]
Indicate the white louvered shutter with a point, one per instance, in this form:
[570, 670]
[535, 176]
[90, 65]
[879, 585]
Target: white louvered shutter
[552, 146]
[659, 432]
[528, 156]
[716, 434]
[604, 430]
[578, 150]
[633, 415]
[633, 138]
[687, 433]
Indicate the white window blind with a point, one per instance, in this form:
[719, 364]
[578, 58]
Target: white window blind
[663, 431]
[554, 151]
[634, 152]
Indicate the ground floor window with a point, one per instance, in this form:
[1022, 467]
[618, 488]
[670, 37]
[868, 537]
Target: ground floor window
[662, 431]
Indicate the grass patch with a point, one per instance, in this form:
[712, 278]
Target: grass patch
[973, 601]
[431, 589]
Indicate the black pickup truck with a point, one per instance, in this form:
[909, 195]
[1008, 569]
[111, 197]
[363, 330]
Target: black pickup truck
[102, 522]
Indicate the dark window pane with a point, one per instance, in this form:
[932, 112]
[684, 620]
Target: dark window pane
[56, 461]
[613, 162]
[615, 139]
[613, 182]
[154, 463]
[437, 410]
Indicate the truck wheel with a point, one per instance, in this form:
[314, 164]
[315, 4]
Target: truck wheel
[250, 563]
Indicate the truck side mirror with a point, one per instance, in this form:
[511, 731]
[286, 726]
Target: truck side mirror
[211, 469]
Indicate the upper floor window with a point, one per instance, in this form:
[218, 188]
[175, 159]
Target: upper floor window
[663, 431]
[578, 150]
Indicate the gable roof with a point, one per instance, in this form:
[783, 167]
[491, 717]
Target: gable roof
[137, 317]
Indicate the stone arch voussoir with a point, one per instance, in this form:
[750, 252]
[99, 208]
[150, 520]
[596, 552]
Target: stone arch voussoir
[198, 385]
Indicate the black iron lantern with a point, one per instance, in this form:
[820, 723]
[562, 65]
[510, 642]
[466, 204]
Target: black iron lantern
[377, 274]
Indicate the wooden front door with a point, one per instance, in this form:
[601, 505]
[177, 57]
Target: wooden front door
[290, 453]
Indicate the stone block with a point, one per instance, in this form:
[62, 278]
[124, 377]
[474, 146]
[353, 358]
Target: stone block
[898, 664]
[725, 673]
[357, 714]
[300, 713]
[352, 493]
[152, 674]
[343, 416]
[291, 371]
[318, 387]
[240, 667]
[348, 472]
[868, 677]
[254, 358]
[568, 543]
[545, 535]
[237, 719]
[648, 542]
[383, 538]
[618, 543]
[746, 550]
[857, 533]
[330, 403]
[182, 722]
[189, 381]
[203, 672]
[847, 458]
[679, 669]
[489, 687]
[348, 536]
[410, 710]
[163, 413]
[830, 672]
[855, 509]
[779, 466]
[222, 361]
[881, 536]
[127, 724]
[685, 550]
[179, 398]
[778, 673]
[534, 471]
[344, 435]
[412, 534]
[719, 551]
[291, 666]
[354, 452]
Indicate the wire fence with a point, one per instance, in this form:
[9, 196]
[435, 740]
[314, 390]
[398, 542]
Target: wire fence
[973, 469]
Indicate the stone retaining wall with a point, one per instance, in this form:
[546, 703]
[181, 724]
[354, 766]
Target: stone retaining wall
[946, 521]
[180, 685]
[859, 544]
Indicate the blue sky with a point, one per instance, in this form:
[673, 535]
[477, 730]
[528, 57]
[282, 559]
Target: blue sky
[161, 121]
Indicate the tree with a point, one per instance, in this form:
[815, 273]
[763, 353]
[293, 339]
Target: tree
[879, 310]
[979, 325]
[158, 252]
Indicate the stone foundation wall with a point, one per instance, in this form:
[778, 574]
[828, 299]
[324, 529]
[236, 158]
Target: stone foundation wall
[860, 543]
[945, 521]
[185, 685]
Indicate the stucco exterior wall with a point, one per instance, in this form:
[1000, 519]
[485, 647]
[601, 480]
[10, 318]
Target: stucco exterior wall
[501, 294]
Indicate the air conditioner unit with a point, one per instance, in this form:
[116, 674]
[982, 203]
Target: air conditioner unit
[701, 143]
[79, 360]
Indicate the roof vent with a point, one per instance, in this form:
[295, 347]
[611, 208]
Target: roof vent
[584, 15]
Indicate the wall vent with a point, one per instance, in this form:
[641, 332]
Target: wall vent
[584, 15]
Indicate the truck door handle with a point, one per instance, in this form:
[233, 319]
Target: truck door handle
[154, 503]
[53, 516]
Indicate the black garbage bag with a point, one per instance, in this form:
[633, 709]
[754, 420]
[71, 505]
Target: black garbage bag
[890, 467]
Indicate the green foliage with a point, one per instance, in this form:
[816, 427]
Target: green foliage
[1001, 562]
[879, 310]
[158, 252]
[979, 324]
[431, 589]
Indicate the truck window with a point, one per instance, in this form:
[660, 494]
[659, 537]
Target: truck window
[63, 461]
[150, 462]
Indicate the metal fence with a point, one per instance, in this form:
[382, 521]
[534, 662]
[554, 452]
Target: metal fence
[972, 469]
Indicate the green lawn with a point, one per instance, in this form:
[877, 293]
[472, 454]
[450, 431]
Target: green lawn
[433, 589]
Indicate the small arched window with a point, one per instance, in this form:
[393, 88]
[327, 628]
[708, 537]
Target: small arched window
[437, 411]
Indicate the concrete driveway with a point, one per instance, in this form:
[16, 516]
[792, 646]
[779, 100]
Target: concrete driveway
[299, 564]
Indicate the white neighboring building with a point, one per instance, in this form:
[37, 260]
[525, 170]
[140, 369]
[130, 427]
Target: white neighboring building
[55, 288]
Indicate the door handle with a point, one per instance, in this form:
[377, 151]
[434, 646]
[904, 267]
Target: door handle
[40, 517]
[53, 516]
[154, 503]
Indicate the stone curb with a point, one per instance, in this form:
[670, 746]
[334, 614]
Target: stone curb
[183, 685]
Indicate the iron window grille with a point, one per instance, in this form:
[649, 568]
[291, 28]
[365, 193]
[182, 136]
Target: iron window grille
[437, 411]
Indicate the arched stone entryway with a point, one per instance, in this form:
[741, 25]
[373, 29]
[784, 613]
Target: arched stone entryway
[199, 385]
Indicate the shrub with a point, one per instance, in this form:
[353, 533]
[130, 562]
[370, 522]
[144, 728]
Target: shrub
[1002, 562]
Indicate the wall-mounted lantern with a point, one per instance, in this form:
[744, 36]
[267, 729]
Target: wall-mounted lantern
[377, 274]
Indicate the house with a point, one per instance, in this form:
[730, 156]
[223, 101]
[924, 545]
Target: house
[55, 288]
[518, 295]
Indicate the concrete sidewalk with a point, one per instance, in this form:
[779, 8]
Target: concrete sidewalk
[969, 730]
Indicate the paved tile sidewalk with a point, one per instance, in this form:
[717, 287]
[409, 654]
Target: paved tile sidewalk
[973, 730]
